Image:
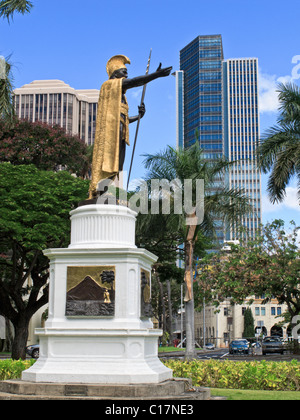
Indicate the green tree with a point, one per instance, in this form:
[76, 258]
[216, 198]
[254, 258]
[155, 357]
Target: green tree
[221, 204]
[279, 150]
[9, 7]
[34, 215]
[268, 265]
[249, 331]
[47, 147]
[158, 233]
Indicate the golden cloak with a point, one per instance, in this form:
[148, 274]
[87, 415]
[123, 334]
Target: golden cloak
[111, 113]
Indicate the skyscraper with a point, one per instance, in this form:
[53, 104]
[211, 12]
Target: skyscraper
[201, 62]
[179, 108]
[55, 102]
[241, 132]
[217, 105]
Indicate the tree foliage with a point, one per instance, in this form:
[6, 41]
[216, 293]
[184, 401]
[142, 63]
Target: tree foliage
[279, 150]
[249, 331]
[34, 215]
[9, 7]
[227, 205]
[269, 266]
[47, 147]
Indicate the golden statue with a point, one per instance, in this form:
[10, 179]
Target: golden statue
[106, 296]
[112, 125]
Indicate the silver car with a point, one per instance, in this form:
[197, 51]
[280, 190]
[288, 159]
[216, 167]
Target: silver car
[272, 345]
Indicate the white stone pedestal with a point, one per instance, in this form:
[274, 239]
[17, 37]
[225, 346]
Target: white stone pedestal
[121, 348]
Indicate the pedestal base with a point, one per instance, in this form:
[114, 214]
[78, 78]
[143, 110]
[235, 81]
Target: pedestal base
[176, 389]
[100, 357]
[97, 330]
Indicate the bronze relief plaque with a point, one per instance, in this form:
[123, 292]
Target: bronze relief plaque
[90, 291]
[146, 307]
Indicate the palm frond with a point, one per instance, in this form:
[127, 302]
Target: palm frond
[6, 92]
[277, 139]
[220, 203]
[278, 151]
[231, 205]
[283, 170]
[9, 7]
[289, 99]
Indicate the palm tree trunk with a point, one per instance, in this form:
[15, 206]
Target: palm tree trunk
[163, 306]
[170, 310]
[190, 352]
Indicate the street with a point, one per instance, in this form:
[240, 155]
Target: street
[223, 354]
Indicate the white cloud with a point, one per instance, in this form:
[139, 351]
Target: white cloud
[268, 85]
[135, 93]
[268, 95]
[291, 202]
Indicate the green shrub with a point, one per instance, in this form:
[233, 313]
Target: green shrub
[12, 369]
[264, 375]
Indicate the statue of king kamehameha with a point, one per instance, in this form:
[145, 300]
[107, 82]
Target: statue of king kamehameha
[112, 125]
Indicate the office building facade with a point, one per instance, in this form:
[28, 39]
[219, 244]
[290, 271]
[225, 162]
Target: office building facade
[201, 63]
[241, 133]
[179, 108]
[217, 105]
[55, 102]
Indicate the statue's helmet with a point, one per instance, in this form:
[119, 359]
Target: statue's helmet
[115, 63]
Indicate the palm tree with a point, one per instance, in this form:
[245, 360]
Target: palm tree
[6, 90]
[220, 203]
[279, 150]
[9, 7]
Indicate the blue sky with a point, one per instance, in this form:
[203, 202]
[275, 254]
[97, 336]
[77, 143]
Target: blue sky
[72, 40]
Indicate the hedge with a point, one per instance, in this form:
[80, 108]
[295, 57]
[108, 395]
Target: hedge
[12, 369]
[256, 375]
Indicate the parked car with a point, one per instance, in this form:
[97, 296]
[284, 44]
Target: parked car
[239, 346]
[272, 345]
[33, 351]
[209, 346]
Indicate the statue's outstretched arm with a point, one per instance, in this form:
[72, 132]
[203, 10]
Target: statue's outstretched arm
[142, 80]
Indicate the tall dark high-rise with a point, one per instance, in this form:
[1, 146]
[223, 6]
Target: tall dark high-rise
[217, 105]
[201, 62]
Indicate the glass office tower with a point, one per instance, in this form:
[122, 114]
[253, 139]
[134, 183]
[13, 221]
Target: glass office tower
[241, 133]
[220, 110]
[201, 62]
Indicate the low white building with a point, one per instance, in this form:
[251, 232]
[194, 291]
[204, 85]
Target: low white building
[226, 323]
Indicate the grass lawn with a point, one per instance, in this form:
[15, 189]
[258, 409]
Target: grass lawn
[250, 395]
[167, 349]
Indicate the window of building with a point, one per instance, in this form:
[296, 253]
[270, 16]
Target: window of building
[257, 311]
